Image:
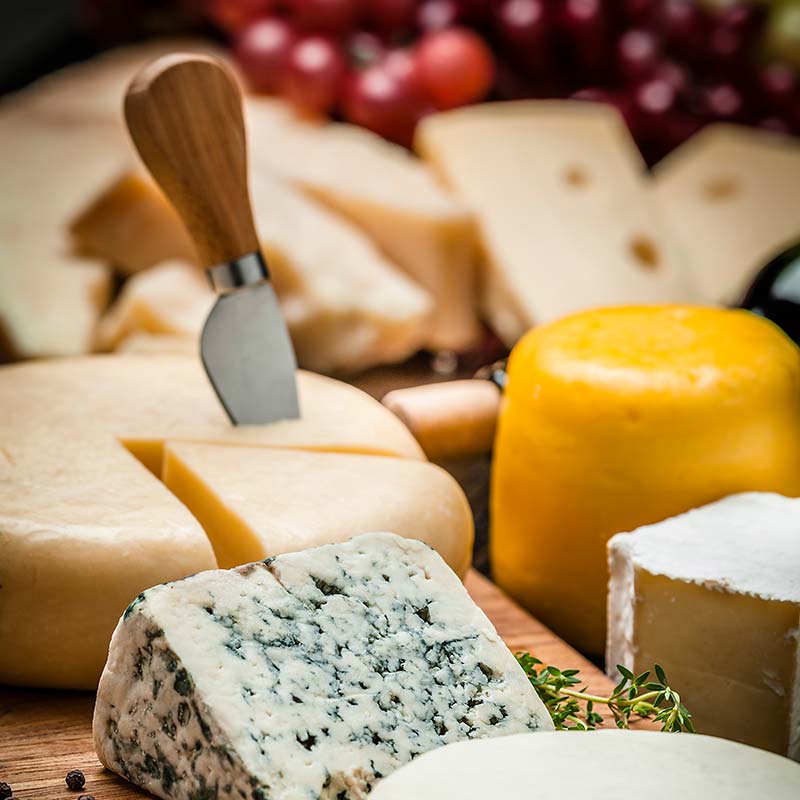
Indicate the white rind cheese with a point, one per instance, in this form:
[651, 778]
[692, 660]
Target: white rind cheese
[714, 597]
[603, 765]
[310, 675]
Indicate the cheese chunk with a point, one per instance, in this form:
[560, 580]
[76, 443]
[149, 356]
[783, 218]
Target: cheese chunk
[84, 526]
[566, 217]
[621, 417]
[63, 137]
[714, 597]
[731, 196]
[172, 299]
[391, 195]
[303, 499]
[613, 763]
[346, 306]
[310, 675]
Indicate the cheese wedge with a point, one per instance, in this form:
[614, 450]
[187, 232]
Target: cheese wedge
[713, 596]
[172, 299]
[614, 762]
[84, 526]
[141, 342]
[731, 196]
[390, 195]
[621, 417]
[566, 217]
[346, 306]
[303, 499]
[64, 139]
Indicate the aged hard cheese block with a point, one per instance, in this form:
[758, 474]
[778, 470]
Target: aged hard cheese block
[389, 194]
[84, 526]
[566, 217]
[259, 502]
[346, 306]
[714, 597]
[612, 763]
[310, 675]
[731, 196]
[621, 417]
[172, 299]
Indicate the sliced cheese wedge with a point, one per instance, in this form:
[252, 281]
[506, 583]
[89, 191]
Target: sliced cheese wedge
[731, 195]
[613, 762]
[388, 193]
[84, 526]
[260, 502]
[566, 218]
[346, 306]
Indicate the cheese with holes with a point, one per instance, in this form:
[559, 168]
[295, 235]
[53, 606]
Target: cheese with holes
[566, 216]
[731, 196]
[621, 417]
[714, 597]
[85, 522]
[611, 763]
[391, 195]
[64, 139]
[346, 306]
[172, 299]
[303, 499]
[310, 675]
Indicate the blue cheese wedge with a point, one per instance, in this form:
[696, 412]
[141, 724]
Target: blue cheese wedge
[309, 675]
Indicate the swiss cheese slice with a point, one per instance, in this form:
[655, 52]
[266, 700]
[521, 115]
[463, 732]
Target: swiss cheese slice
[302, 499]
[613, 764]
[713, 596]
[566, 217]
[388, 193]
[731, 195]
[347, 307]
[84, 526]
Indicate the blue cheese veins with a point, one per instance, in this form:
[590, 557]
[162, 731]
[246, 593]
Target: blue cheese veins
[310, 675]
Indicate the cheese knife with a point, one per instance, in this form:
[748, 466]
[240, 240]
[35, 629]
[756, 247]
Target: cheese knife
[184, 114]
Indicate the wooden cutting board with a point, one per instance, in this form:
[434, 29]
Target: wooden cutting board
[44, 734]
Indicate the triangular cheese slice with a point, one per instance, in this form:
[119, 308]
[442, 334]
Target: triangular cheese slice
[84, 526]
[347, 307]
[732, 196]
[566, 217]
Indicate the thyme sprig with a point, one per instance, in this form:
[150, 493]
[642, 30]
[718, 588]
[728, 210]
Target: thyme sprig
[634, 695]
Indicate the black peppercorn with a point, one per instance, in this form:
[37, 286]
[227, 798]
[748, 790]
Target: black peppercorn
[76, 780]
[6, 791]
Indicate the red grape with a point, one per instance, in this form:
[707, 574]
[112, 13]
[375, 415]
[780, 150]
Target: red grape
[392, 18]
[685, 27]
[262, 50]
[525, 28]
[326, 16]
[455, 67]
[723, 102]
[726, 44]
[232, 15]
[779, 85]
[385, 100]
[314, 74]
[638, 12]
[585, 24]
[403, 67]
[637, 54]
[674, 74]
[436, 15]
[746, 18]
[364, 48]
[654, 98]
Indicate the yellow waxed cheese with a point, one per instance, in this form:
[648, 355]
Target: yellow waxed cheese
[84, 526]
[346, 306]
[566, 216]
[731, 194]
[622, 417]
[259, 502]
[391, 195]
[713, 596]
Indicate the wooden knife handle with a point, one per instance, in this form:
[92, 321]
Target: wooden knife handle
[184, 114]
[456, 419]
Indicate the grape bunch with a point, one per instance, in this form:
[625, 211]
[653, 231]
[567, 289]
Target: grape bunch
[669, 66]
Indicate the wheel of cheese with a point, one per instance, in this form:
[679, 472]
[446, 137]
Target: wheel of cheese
[86, 524]
[603, 765]
[622, 417]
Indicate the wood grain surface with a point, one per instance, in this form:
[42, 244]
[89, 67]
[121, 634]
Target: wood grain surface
[44, 734]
